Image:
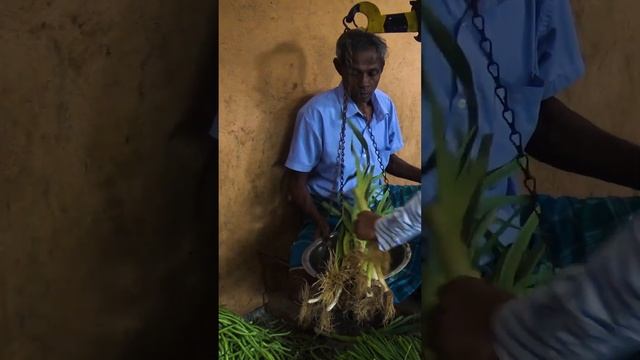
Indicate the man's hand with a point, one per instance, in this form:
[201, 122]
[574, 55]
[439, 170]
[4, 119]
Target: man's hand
[461, 324]
[322, 229]
[302, 198]
[365, 225]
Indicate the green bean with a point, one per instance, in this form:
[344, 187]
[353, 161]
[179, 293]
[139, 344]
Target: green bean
[240, 343]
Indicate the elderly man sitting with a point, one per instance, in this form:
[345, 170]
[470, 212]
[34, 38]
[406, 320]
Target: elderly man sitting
[321, 148]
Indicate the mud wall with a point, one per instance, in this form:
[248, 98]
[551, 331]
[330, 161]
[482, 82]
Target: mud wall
[105, 207]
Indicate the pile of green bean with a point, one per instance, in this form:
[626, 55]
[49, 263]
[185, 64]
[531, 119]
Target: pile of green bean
[240, 340]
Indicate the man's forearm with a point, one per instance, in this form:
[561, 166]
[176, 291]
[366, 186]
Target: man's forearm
[566, 140]
[302, 198]
[402, 169]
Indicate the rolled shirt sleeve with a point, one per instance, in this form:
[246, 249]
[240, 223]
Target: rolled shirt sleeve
[560, 62]
[306, 144]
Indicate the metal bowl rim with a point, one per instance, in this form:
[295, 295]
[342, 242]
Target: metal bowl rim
[306, 264]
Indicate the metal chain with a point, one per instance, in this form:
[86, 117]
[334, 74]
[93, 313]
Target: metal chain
[375, 148]
[341, 147]
[341, 142]
[346, 20]
[509, 116]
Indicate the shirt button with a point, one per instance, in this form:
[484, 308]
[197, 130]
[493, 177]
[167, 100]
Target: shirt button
[462, 103]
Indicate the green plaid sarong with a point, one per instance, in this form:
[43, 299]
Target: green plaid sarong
[573, 228]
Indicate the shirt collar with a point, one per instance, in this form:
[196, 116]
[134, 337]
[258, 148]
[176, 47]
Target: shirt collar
[380, 112]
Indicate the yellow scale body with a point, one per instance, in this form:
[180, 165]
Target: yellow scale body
[386, 23]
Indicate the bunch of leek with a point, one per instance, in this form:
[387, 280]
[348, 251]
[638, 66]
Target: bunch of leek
[460, 219]
[354, 279]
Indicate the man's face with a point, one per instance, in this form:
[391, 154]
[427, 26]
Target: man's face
[362, 78]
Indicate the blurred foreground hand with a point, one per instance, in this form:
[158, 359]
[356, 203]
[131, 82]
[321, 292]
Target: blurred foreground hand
[364, 226]
[461, 323]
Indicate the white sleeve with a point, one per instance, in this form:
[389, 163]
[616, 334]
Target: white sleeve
[590, 314]
[402, 225]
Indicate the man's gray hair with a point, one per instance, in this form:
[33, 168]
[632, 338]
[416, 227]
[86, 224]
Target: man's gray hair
[357, 40]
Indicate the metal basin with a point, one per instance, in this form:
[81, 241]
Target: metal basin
[315, 257]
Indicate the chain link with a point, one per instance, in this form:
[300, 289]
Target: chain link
[508, 115]
[341, 143]
[341, 147]
[375, 148]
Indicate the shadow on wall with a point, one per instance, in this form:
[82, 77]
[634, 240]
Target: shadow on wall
[281, 88]
[180, 323]
[283, 71]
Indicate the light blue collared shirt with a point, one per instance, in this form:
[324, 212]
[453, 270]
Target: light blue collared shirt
[314, 147]
[536, 47]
